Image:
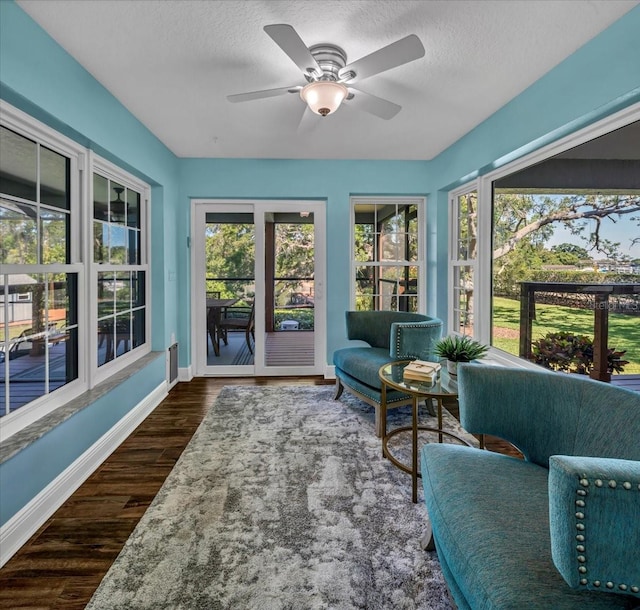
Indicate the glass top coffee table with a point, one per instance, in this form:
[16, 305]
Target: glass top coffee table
[444, 387]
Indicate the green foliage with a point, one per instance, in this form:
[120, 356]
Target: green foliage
[304, 317]
[230, 253]
[520, 269]
[294, 250]
[569, 254]
[572, 353]
[460, 349]
[624, 330]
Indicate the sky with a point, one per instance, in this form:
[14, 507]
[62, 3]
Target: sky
[622, 231]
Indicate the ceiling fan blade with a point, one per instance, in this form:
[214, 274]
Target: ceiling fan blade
[373, 105]
[288, 40]
[257, 95]
[397, 53]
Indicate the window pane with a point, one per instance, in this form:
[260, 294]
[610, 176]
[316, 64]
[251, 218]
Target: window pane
[106, 294]
[54, 236]
[123, 334]
[364, 242]
[544, 307]
[394, 247]
[133, 249]
[138, 327]
[100, 242]
[117, 245]
[133, 209]
[18, 165]
[106, 334]
[123, 291]
[466, 229]
[386, 231]
[137, 288]
[100, 197]
[54, 179]
[463, 299]
[41, 343]
[19, 233]
[117, 211]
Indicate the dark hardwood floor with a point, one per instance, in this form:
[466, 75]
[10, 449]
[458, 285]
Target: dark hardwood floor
[63, 563]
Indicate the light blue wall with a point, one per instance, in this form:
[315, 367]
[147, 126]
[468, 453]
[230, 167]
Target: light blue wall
[331, 181]
[40, 78]
[599, 79]
[24, 475]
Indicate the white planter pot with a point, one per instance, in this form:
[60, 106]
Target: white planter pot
[452, 368]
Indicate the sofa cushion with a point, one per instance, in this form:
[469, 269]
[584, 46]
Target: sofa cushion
[490, 514]
[362, 363]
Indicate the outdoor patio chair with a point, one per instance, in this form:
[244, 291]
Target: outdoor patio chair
[238, 318]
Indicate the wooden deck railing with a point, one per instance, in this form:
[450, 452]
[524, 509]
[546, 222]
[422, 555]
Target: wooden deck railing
[600, 302]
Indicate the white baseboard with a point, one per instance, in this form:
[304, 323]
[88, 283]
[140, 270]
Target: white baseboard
[15, 532]
[330, 372]
[185, 374]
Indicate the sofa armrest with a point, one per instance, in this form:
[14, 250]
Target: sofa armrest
[594, 515]
[415, 339]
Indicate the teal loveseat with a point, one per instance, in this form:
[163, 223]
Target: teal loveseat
[561, 528]
[389, 336]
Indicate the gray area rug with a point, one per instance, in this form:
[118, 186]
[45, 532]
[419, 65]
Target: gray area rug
[281, 500]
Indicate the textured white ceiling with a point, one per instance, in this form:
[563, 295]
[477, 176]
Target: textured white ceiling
[173, 62]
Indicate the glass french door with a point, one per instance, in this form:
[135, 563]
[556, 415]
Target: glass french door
[258, 288]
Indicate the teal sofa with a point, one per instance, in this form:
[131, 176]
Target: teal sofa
[389, 336]
[557, 530]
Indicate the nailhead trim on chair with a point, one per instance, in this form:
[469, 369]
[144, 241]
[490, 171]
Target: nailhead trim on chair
[581, 538]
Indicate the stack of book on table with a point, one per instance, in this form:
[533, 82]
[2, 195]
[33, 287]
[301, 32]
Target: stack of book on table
[422, 371]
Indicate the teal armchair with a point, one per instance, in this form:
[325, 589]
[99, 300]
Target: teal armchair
[558, 529]
[390, 336]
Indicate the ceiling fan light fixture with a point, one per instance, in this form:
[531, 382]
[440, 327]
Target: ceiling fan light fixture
[324, 97]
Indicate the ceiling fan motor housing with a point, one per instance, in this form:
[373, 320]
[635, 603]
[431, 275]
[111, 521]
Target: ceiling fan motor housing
[330, 58]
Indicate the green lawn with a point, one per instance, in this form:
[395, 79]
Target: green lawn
[624, 331]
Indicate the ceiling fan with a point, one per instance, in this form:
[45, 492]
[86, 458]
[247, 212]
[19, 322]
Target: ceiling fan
[330, 79]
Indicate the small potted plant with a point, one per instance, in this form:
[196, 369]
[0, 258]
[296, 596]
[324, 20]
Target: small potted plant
[458, 348]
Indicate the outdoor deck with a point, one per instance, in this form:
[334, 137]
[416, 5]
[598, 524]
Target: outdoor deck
[631, 382]
[282, 348]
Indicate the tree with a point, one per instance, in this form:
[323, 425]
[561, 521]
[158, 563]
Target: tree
[230, 253]
[578, 252]
[294, 250]
[531, 217]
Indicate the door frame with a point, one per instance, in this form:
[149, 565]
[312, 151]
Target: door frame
[259, 208]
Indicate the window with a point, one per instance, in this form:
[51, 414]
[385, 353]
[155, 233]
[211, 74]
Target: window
[47, 304]
[120, 307]
[39, 282]
[387, 253]
[559, 243]
[463, 255]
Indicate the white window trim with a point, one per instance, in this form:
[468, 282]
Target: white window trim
[82, 163]
[482, 327]
[107, 169]
[421, 204]
[454, 261]
[25, 125]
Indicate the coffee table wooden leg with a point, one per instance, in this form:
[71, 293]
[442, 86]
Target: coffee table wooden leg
[439, 401]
